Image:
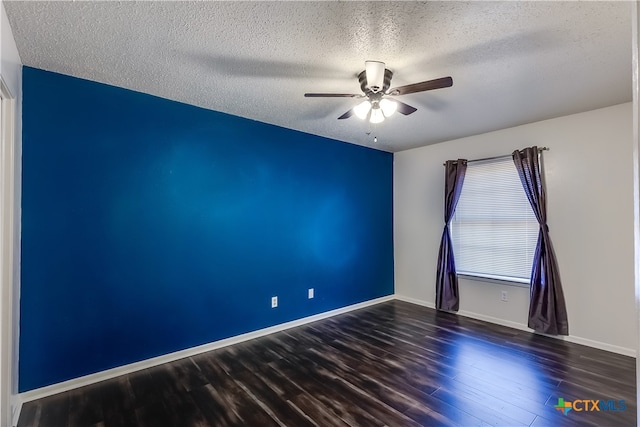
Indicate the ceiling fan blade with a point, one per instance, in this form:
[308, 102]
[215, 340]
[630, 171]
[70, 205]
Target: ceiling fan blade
[405, 109]
[346, 115]
[331, 95]
[422, 86]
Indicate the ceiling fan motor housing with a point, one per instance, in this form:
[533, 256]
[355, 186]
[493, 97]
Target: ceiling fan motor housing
[368, 90]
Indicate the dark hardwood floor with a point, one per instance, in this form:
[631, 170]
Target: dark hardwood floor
[393, 364]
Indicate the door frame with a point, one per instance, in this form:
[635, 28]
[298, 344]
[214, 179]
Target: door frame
[8, 363]
[635, 53]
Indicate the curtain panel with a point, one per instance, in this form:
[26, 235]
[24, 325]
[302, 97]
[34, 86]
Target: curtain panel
[447, 297]
[547, 309]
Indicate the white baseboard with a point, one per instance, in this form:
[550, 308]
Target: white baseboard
[521, 326]
[155, 361]
[498, 321]
[600, 345]
[415, 301]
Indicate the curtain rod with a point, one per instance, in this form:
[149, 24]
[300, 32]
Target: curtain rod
[497, 157]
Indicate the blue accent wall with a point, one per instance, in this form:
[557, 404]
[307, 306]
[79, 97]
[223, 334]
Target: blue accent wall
[151, 226]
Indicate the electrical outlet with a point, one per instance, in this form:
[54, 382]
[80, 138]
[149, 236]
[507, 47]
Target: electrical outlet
[504, 297]
[274, 302]
[310, 293]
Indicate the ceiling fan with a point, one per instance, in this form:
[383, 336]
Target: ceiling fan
[375, 81]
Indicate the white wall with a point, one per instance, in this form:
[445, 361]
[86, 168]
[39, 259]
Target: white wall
[589, 176]
[11, 73]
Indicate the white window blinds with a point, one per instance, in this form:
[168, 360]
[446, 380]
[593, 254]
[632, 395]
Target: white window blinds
[494, 230]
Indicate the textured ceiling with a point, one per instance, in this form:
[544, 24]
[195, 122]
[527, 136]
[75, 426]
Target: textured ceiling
[511, 62]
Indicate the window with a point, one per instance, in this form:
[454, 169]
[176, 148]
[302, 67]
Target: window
[494, 230]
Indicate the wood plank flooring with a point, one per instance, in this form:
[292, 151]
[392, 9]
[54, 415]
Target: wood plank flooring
[393, 364]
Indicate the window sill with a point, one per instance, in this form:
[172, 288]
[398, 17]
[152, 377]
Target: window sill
[504, 281]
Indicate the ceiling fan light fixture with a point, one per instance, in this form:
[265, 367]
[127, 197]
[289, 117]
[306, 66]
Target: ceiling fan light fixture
[376, 116]
[388, 106]
[375, 75]
[361, 110]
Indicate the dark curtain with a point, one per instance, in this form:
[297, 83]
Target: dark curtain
[547, 309]
[447, 280]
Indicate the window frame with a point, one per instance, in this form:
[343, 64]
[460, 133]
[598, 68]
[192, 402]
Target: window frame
[493, 278]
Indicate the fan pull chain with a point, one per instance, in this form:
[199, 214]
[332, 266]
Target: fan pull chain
[371, 129]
